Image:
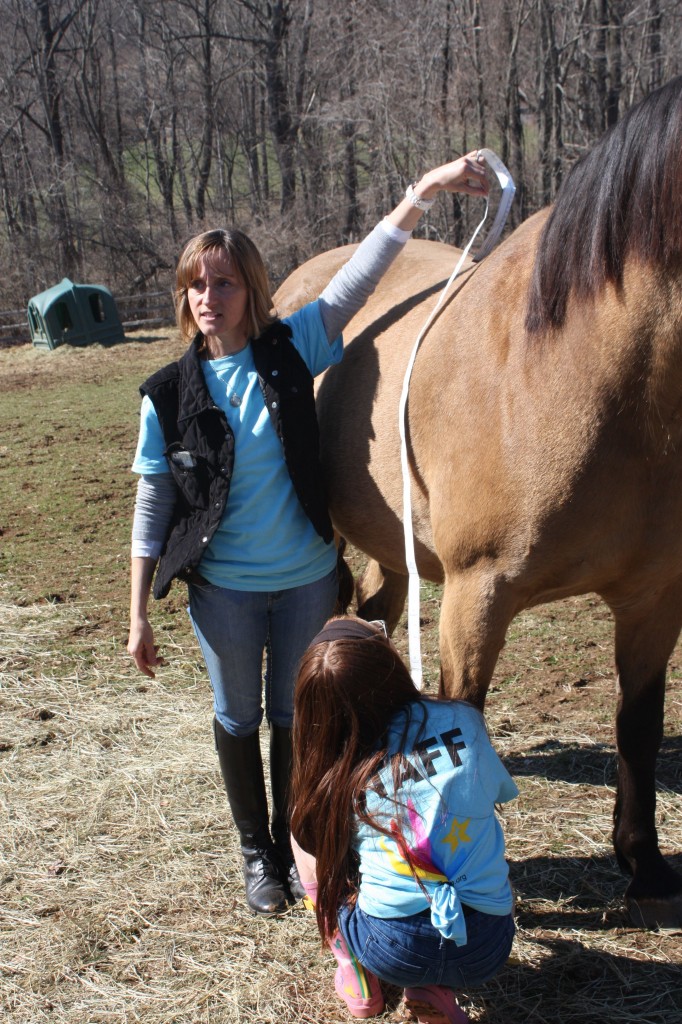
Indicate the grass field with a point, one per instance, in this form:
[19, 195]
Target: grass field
[120, 887]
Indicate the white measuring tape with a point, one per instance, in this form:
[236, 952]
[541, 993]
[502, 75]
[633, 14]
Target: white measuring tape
[508, 189]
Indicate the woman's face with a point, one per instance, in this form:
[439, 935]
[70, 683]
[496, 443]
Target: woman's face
[218, 301]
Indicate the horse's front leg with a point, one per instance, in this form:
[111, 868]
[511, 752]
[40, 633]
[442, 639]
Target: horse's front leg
[645, 639]
[476, 610]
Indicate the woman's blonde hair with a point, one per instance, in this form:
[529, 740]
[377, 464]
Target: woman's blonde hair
[247, 262]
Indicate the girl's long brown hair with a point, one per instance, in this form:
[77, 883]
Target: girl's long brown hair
[347, 692]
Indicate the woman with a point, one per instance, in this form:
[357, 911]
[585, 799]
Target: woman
[408, 874]
[230, 500]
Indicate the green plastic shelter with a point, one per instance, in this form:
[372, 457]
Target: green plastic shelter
[74, 314]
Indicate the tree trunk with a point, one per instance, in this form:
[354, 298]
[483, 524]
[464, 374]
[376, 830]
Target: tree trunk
[282, 124]
[350, 177]
[655, 76]
[615, 61]
[204, 17]
[50, 87]
[512, 136]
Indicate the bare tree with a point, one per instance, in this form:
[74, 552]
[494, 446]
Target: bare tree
[45, 38]
[125, 125]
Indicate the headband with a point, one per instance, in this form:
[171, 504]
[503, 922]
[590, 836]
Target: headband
[344, 629]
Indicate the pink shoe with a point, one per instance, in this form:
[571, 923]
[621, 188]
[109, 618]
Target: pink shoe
[358, 987]
[431, 1000]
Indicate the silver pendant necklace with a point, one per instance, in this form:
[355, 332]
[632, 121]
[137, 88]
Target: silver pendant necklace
[234, 397]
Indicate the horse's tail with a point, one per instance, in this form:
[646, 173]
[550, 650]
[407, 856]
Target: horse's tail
[346, 581]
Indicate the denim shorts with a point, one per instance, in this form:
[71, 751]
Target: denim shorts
[409, 951]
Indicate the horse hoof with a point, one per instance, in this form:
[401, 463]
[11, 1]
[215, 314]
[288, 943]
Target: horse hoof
[656, 914]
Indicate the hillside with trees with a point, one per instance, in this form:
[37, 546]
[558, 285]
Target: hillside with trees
[128, 125]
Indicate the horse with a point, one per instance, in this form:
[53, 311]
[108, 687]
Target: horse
[544, 430]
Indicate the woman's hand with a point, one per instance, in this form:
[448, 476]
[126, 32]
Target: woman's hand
[142, 647]
[466, 175]
[141, 637]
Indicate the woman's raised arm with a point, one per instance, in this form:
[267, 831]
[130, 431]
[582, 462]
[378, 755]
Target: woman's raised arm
[352, 285]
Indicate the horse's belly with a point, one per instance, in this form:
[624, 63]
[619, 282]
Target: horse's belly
[360, 448]
[366, 505]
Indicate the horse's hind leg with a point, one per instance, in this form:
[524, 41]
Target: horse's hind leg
[644, 641]
[381, 594]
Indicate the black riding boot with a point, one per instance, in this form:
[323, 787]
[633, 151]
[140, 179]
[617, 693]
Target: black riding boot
[280, 777]
[242, 770]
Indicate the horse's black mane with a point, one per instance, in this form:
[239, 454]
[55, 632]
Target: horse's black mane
[624, 198]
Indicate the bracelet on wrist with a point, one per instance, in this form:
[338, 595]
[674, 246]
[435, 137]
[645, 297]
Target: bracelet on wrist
[421, 204]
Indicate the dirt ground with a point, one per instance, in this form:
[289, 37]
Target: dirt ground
[120, 893]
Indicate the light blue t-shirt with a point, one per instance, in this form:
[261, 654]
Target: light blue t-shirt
[446, 813]
[265, 540]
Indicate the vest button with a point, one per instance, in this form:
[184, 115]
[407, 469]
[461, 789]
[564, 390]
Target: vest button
[274, 405]
[275, 372]
[204, 540]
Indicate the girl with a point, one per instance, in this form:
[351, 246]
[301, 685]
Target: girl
[394, 826]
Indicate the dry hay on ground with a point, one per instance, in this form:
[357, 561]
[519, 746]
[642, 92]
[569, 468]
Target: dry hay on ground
[120, 892]
[119, 895]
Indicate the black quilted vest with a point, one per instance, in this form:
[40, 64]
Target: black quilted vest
[200, 445]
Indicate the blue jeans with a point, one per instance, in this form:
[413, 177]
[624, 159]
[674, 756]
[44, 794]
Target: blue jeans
[236, 627]
[409, 951]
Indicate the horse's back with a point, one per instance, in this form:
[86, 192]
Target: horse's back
[306, 282]
[420, 261]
